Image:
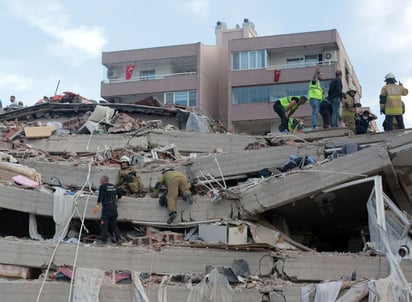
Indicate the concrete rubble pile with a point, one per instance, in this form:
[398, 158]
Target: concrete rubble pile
[314, 216]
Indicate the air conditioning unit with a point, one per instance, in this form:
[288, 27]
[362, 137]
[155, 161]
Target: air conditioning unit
[111, 74]
[329, 56]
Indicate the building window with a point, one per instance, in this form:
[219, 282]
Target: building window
[185, 98]
[311, 59]
[295, 62]
[245, 60]
[267, 93]
[148, 74]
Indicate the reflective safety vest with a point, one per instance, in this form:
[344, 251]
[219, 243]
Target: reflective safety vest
[315, 91]
[393, 93]
[294, 125]
[286, 101]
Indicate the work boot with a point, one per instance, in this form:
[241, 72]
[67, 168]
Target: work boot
[172, 217]
[187, 197]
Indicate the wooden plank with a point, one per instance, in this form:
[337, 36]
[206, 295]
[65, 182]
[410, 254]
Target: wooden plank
[23, 291]
[200, 142]
[79, 143]
[39, 131]
[274, 193]
[130, 209]
[168, 260]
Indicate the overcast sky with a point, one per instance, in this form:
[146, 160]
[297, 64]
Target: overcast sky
[43, 41]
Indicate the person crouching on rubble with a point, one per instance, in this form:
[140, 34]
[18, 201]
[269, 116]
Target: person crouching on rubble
[127, 179]
[176, 182]
[108, 196]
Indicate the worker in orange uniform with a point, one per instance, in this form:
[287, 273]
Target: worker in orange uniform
[176, 182]
[390, 101]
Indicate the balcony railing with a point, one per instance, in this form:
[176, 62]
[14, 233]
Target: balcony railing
[300, 65]
[146, 78]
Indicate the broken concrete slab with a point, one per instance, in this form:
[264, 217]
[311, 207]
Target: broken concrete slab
[130, 209]
[74, 175]
[311, 136]
[200, 142]
[17, 290]
[251, 161]
[87, 143]
[168, 260]
[324, 266]
[277, 192]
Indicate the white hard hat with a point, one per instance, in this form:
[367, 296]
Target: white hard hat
[351, 88]
[124, 159]
[390, 76]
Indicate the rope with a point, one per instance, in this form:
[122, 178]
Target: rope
[87, 183]
[75, 210]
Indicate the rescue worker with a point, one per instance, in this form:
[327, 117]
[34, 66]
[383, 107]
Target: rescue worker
[363, 120]
[176, 182]
[285, 107]
[395, 124]
[325, 112]
[390, 101]
[349, 109]
[108, 196]
[336, 96]
[315, 95]
[127, 179]
[296, 125]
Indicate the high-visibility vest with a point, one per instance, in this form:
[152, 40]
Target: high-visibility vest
[286, 101]
[393, 93]
[315, 91]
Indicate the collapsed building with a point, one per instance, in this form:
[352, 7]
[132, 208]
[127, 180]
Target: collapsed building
[264, 226]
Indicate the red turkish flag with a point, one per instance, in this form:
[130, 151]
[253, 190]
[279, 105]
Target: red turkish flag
[129, 71]
[276, 76]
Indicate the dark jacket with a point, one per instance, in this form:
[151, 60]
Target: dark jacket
[108, 194]
[335, 89]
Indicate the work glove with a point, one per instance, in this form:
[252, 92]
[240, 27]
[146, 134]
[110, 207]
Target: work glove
[154, 195]
[96, 209]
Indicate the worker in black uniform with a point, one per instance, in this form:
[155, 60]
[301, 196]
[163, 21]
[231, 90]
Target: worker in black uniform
[108, 196]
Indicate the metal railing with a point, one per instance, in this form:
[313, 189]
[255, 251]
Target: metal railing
[301, 64]
[146, 78]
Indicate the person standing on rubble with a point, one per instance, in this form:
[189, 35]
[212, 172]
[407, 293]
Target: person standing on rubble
[363, 120]
[336, 96]
[176, 182]
[13, 105]
[108, 196]
[285, 107]
[349, 106]
[390, 101]
[127, 179]
[325, 112]
[315, 95]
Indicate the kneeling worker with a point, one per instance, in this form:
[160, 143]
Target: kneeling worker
[127, 179]
[176, 182]
[108, 196]
[285, 107]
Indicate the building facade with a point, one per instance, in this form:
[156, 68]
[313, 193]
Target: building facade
[236, 81]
